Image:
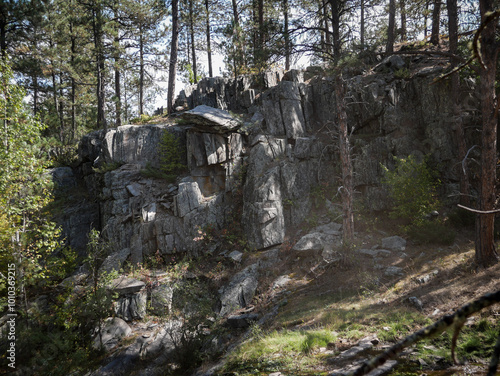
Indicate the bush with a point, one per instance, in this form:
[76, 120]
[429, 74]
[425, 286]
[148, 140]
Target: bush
[432, 232]
[412, 185]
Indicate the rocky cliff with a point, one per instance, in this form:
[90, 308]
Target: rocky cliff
[261, 156]
[281, 151]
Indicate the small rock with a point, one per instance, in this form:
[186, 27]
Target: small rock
[395, 243]
[134, 189]
[236, 256]
[416, 302]
[309, 242]
[281, 281]
[241, 321]
[394, 271]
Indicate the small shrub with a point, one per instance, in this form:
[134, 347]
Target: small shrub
[170, 154]
[402, 74]
[412, 185]
[107, 167]
[431, 232]
[462, 218]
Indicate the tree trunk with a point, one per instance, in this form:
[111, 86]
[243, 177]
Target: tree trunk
[238, 54]
[328, 39]
[172, 68]
[451, 6]
[335, 5]
[402, 8]
[209, 47]
[389, 48]
[345, 160]
[73, 84]
[118, 99]
[486, 254]
[436, 12]
[141, 70]
[193, 46]
[362, 26]
[100, 66]
[287, 35]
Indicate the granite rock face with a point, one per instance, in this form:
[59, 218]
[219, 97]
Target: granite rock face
[276, 161]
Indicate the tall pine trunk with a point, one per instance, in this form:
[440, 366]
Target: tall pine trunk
[172, 68]
[209, 43]
[486, 254]
[345, 160]
[100, 65]
[451, 6]
[389, 48]
[286, 35]
[335, 7]
[362, 26]
[141, 70]
[402, 10]
[436, 12]
[193, 45]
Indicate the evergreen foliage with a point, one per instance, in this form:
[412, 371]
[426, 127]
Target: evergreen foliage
[412, 186]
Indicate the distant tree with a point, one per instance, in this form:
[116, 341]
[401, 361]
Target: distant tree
[174, 44]
[391, 28]
[436, 13]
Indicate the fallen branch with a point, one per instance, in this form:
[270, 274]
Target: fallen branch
[456, 319]
[479, 211]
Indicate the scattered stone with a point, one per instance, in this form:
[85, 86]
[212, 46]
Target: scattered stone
[426, 278]
[236, 256]
[125, 285]
[281, 281]
[416, 303]
[394, 243]
[134, 189]
[114, 261]
[310, 242]
[114, 329]
[393, 271]
[241, 321]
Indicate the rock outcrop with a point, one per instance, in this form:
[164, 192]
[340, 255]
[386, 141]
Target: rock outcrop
[279, 158]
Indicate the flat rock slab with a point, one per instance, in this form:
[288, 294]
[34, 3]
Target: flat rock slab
[209, 119]
[125, 285]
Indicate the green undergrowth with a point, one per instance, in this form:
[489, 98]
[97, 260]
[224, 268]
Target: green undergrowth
[293, 345]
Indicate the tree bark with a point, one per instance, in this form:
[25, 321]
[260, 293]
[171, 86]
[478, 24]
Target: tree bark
[97, 23]
[362, 26]
[486, 254]
[287, 35]
[402, 9]
[389, 48]
[209, 47]
[345, 160]
[451, 6]
[172, 69]
[193, 46]
[335, 5]
[141, 70]
[436, 12]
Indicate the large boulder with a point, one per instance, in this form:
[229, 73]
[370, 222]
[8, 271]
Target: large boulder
[209, 119]
[239, 292]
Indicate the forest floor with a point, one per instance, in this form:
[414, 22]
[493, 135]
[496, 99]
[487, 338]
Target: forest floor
[326, 311]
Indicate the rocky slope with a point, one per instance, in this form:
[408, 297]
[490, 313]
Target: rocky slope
[264, 169]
